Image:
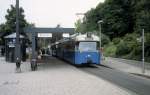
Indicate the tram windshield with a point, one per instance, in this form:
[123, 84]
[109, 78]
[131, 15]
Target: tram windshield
[88, 46]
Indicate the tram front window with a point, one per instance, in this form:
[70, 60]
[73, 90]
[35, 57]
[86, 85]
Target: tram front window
[87, 46]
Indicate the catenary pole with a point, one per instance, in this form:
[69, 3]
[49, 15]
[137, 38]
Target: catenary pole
[17, 47]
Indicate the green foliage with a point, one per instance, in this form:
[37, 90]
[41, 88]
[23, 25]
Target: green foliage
[123, 21]
[105, 39]
[116, 41]
[11, 19]
[110, 50]
[131, 41]
[10, 24]
[91, 18]
[117, 18]
[141, 15]
[115, 15]
[129, 46]
[143, 21]
[2, 27]
[147, 45]
[78, 25]
[122, 49]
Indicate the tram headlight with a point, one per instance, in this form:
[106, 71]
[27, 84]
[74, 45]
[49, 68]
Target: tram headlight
[88, 56]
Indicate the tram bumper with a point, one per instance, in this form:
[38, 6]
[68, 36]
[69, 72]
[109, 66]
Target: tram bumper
[87, 58]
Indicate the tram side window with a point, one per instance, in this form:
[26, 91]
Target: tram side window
[69, 46]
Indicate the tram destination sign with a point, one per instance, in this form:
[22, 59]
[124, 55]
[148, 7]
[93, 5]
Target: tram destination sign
[44, 35]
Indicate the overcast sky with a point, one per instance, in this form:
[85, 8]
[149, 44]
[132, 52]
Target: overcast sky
[49, 13]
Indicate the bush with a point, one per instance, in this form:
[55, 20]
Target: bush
[134, 55]
[105, 40]
[122, 49]
[127, 46]
[147, 45]
[110, 50]
[116, 41]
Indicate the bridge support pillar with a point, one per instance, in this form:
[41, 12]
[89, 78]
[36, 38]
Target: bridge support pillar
[34, 55]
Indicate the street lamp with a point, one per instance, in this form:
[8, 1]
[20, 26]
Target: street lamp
[100, 35]
[100, 32]
[17, 47]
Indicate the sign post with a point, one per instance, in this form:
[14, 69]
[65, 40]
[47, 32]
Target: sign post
[143, 50]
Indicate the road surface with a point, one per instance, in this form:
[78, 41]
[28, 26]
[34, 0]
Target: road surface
[135, 84]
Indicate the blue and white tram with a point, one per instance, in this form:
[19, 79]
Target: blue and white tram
[79, 49]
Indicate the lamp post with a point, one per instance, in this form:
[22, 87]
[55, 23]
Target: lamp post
[100, 32]
[17, 45]
[100, 37]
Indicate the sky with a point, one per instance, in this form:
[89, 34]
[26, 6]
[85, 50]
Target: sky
[49, 13]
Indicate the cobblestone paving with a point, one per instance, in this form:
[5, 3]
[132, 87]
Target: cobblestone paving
[53, 78]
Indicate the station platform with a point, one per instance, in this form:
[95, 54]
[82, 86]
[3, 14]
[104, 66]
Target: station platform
[53, 77]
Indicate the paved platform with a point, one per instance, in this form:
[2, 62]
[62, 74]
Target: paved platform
[129, 66]
[53, 78]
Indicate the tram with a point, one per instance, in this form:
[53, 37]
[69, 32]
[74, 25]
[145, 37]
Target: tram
[78, 49]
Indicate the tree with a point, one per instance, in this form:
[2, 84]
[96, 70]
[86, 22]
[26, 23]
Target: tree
[142, 15]
[10, 25]
[2, 27]
[78, 26]
[117, 18]
[123, 21]
[116, 15]
[89, 23]
[91, 19]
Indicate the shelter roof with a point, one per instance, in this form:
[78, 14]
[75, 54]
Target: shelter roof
[13, 35]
